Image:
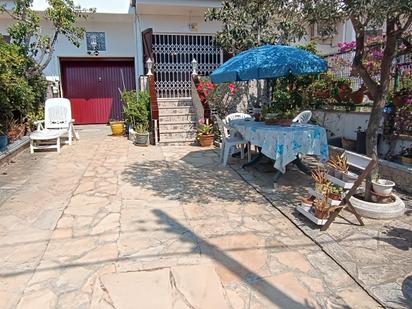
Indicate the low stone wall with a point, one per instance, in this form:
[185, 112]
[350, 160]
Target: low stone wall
[400, 174]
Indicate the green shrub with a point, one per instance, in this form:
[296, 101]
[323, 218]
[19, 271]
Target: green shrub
[20, 92]
[136, 108]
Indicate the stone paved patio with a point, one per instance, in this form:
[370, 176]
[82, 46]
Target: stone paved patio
[106, 224]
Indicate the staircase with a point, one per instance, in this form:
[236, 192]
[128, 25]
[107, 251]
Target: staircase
[177, 121]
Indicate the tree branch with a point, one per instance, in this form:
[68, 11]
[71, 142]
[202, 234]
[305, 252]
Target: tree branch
[388, 55]
[49, 53]
[371, 84]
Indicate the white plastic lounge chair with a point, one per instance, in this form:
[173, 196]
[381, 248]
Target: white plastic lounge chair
[57, 123]
[303, 117]
[230, 141]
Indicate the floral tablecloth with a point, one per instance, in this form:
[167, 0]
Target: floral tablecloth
[283, 144]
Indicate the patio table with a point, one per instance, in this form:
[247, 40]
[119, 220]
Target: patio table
[284, 144]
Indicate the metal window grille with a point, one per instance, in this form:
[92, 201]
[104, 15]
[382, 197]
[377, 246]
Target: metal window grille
[173, 55]
[404, 65]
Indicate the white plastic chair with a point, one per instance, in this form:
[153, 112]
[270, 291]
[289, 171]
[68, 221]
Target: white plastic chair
[57, 123]
[235, 116]
[229, 141]
[303, 117]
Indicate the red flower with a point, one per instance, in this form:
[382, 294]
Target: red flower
[232, 88]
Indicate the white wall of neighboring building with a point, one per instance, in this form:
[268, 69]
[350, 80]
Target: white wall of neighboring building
[101, 6]
[177, 24]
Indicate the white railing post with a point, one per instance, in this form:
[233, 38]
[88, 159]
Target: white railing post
[156, 138]
[195, 66]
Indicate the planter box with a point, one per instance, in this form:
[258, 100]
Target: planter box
[320, 196]
[343, 184]
[310, 215]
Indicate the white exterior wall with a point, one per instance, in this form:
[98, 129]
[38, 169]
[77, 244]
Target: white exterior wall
[169, 19]
[120, 42]
[120, 39]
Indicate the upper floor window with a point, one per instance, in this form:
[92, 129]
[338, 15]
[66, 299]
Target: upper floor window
[96, 41]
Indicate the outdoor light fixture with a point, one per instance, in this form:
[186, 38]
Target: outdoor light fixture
[194, 66]
[149, 64]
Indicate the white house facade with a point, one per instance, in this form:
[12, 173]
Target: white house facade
[120, 37]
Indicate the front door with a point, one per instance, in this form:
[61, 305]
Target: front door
[173, 55]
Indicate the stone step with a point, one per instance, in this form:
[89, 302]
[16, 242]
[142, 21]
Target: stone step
[173, 102]
[176, 110]
[178, 136]
[177, 126]
[178, 143]
[177, 129]
[175, 118]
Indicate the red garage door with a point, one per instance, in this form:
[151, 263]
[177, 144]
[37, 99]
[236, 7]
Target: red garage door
[92, 86]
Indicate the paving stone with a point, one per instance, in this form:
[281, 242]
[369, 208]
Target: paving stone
[40, 299]
[293, 260]
[149, 289]
[114, 222]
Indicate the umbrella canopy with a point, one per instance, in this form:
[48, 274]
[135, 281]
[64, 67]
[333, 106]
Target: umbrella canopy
[269, 61]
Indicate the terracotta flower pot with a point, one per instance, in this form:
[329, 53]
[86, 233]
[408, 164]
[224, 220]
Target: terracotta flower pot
[334, 196]
[321, 214]
[344, 93]
[206, 140]
[357, 96]
[322, 94]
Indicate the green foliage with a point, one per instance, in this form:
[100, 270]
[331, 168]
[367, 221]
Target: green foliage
[250, 23]
[18, 94]
[27, 33]
[35, 115]
[282, 106]
[204, 128]
[141, 128]
[136, 108]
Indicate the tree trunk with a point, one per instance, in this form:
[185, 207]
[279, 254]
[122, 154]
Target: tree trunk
[372, 138]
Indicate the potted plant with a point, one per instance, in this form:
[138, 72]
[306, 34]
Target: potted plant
[136, 113]
[357, 96]
[205, 133]
[382, 187]
[142, 134]
[321, 207]
[117, 127]
[344, 89]
[320, 89]
[406, 155]
[321, 180]
[335, 192]
[15, 130]
[400, 97]
[3, 139]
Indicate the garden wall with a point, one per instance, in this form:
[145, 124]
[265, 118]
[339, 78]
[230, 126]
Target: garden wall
[346, 124]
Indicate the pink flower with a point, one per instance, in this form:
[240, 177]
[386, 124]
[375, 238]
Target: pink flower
[201, 121]
[232, 88]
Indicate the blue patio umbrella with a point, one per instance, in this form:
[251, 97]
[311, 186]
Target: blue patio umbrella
[269, 61]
